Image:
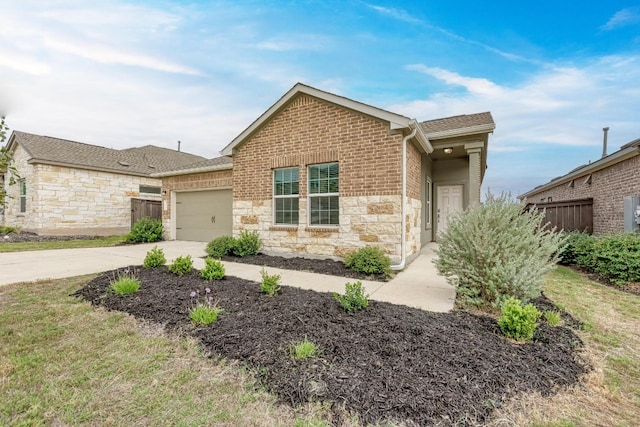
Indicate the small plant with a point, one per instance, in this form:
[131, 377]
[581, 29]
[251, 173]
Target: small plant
[303, 349]
[247, 243]
[369, 260]
[126, 283]
[155, 258]
[221, 246]
[518, 322]
[354, 297]
[181, 265]
[213, 269]
[270, 284]
[205, 312]
[552, 317]
[146, 230]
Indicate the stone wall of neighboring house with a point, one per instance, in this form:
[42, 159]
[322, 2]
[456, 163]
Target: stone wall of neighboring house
[191, 182]
[309, 131]
[65, 201]
[608, 187]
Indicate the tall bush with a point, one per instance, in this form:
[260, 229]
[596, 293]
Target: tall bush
[496, 250]
[146, 230]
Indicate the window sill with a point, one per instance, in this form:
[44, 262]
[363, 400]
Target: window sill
[283, 228]
[325, 228]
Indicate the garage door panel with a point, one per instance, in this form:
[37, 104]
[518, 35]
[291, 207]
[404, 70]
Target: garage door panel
[203, 215]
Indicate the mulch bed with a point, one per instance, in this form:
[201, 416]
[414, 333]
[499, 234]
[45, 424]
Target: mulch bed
[25, 236]
[386, 363]
[321, 266]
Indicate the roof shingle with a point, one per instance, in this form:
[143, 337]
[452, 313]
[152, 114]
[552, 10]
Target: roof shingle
[457, 122]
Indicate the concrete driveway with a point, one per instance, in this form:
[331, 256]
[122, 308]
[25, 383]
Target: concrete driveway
[418, 285]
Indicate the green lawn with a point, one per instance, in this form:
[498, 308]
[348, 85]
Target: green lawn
[64, 244]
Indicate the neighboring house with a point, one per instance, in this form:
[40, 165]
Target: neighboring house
[68, 187]
[593, 193]
[320, 174]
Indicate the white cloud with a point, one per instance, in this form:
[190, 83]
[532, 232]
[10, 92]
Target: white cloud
[622, 18]
[303, 42]
[399, 14]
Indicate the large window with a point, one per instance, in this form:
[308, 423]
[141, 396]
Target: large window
[23, 195]
[286, 188]
[323, 194]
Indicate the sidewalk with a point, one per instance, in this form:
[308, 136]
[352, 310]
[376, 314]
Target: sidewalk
[417, 285]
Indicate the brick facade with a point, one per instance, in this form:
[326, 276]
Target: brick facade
[63, 201]
[607, 187]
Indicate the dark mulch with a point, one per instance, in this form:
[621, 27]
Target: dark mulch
[322, 266]
[385, 363]
[25, 236]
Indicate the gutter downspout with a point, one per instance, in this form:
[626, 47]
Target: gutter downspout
[403, 243]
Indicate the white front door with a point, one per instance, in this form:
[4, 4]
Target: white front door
[449, 201]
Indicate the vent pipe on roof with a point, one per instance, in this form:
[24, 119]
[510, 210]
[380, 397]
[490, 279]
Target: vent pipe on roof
[604, 142]
[178, 145]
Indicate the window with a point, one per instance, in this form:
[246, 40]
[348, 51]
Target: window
[286, 188]
[427, 204]
[150, 189]
[23, 195]
[323, 194]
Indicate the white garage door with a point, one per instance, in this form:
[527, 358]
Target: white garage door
[203, 215]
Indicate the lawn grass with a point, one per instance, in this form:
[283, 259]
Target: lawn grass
[64, 362]
[610, 394]
[63, 244]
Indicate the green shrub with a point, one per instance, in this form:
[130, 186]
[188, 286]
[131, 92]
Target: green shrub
[181, 265]
[125, 283]
[247, 243]
[552, 317]
[369, 260]
[7, 230]
[146, 230]
[221, 246]
[496, 250]
[615, 258]
[576, 243]
[354, 297]
[155, 258]
[213, 269]
[518, 322]
[303, 349]
[270, 284]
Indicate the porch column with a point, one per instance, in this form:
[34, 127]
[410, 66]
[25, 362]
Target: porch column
[474, 151]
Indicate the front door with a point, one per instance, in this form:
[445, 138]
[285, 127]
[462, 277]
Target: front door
[449, 201]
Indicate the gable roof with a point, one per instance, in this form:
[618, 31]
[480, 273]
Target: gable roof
[458, 125]
[625, 152]
[396, 121]
[209, 165]
[141, 161]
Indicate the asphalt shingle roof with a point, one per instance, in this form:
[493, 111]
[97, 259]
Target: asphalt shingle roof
[133, 161]
[457, 122]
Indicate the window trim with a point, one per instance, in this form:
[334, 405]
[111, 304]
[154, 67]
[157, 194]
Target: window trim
[314, 195]
[284, 196]
[22, 198]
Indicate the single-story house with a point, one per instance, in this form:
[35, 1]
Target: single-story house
[68, 187]
[596, 192]
[321, 174]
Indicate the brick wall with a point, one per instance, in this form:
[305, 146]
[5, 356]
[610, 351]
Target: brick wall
[607, 187]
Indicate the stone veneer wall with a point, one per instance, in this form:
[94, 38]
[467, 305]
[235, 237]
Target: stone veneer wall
[62, 200]
[309, 131]
[191, 182]
[608, 187]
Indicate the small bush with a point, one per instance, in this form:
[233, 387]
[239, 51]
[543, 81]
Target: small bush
[354, 297]
[221, 246]
[247, 243]
[7, 230]
[270, 284]
[155, 258]
[518, 322]
[552, 317]
[125, 283]
[496, 250]
[181, 265]
[303, 349]
[206, 312]
[369, 260]
[146, 230]
[576, 245]
[213, 269]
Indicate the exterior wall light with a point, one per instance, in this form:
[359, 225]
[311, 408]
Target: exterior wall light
[448, 150]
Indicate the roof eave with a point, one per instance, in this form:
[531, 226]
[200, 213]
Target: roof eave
[87, 167]
[202, 169]
[471, 130]
[602, 163]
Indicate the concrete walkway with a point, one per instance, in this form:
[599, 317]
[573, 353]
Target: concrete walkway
[417, 285]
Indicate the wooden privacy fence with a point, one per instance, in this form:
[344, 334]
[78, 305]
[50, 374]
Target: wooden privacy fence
[145, 209]
[568, 215]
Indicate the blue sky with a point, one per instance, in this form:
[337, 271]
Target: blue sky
[128, 73]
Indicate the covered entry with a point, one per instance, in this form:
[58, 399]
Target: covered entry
[203, 215]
